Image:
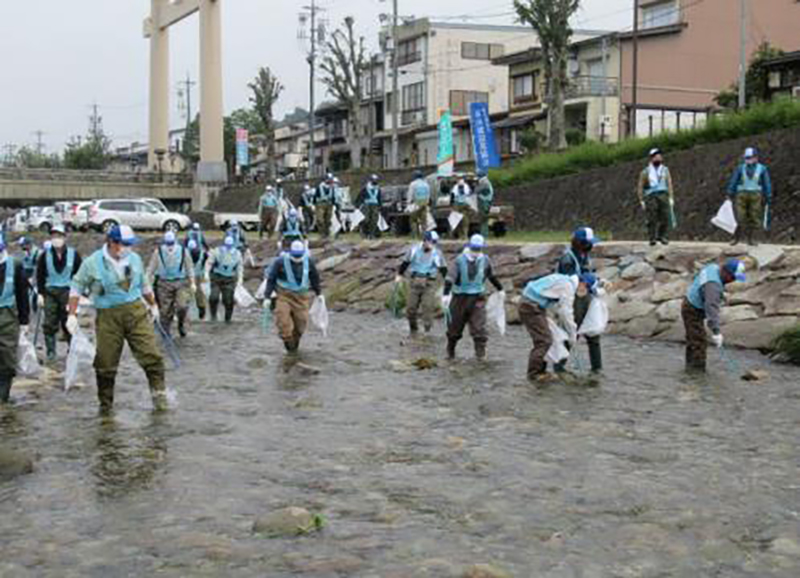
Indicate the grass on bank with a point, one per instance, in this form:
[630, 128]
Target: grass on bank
[786, 347]
[755, 120]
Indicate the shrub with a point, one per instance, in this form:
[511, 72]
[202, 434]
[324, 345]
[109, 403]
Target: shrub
[786, 346]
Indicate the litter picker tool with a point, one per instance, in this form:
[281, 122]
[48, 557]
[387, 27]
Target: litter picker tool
[169, 345]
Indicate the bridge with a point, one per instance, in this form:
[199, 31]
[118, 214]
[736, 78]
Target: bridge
[20, 187]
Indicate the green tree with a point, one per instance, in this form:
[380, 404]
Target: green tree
[91, 153]
[550, 20]
[266, 90]
[29, 158]
[239, 118]
[755, 80]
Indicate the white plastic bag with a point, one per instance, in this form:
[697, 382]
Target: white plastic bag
[596, 321]
[205, 287]
[27, 363]
[243, 298]
[383, 226]
[496, 311]
[336, 226]
[261, 290]
[80, 359]
[558, 351]
[725, 218]
[454, 219]
[411, 208]
[356, 219]
[431, 222]
[319, 315]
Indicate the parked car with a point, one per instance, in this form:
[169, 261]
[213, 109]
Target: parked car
[77, 217]
[157, 203]
[137, 214]
[44, 219]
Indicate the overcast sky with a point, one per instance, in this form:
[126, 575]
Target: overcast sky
[59, 57]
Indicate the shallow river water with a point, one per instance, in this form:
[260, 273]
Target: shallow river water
[417, 473]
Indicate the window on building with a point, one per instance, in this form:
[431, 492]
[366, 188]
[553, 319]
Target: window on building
[661, 14]
[481, 51]
[461, 99]
[414, 96]
[525, 87]
[409, 51]
[597, 76]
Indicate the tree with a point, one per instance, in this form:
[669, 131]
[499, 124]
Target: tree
[755, 78]
[90, 154]
[29, 158]
[267, 90]
[343, 72]
[550, 21]
[239, 118]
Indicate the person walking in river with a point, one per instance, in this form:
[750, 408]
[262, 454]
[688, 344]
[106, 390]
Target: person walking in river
[30, 260]
[467, 304]
[225, 273]
[485, 194]
[463, 201]
[701, 309]
[750, 189]
[196, 234]
[324, 201]
[268, 210]
[425, 263]
[199, 258]
[292, 228]
[371, 200]
[14, 316]
[307, 206]
[419, 198]
[291, 277]
[171, 273]
[114, 277]
[577, 261]
[657, 198]
[54, 274]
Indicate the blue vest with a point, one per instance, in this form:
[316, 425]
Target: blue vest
[197, 237]
[421, 191]
[291, 283]
[751, 184]
[534, 290]
[372, 196]
[55, 279]
[709, 274]
[326, 194]
[236, 233]
[424, 264]
[579, 269]
[227, 261]
[269, 201]
[8, 298]
[292, 228]
[308, 197]
[461, 195]
[114, 295]
[661, 186]
[29, 262]
[170, 265]
[475, 285]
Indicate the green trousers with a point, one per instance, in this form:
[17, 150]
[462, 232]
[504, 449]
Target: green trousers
[372, 214]
[749, 212]
[173, 300]
[224, 287]
[9, 340]
[657, 207]
[56, 300]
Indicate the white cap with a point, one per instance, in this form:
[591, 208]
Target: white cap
[298, 248]
[750, 152]
[234, 222]
[58, 229]
[228, 241]
[196, 226]
[192, 244]
[477, 242]
[169, 237]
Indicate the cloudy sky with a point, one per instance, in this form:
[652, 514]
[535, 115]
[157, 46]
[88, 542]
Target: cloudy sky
[60, 57]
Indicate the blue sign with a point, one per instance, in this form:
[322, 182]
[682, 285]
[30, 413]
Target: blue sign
[483, 142]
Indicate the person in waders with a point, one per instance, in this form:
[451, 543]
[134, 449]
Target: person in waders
[14, 316]
[750, 189]
[171, 272]
[225, 272]
[424, 262]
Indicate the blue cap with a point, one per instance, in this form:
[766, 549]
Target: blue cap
[169, 238]
[298, 249]
[585, 235]
[431, 237]
[23, 241]
[122, 234]
[477, 242]
[590, 281]
[736, 268]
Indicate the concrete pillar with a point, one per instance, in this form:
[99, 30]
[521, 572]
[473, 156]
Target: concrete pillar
[212, 151]
[159, 85]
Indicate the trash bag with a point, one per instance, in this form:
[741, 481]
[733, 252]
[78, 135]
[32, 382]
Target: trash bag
[431, 223]
[336, 225]
[383, 226]
[558, 351]
[243, 298]
[356, 219]
[397, 299]
[205, 287]
[725, 218]
[319, 315]
[27, 363]
[496, 311]
[454, 219]
[261, 290]
[596, 321]
[80, 359]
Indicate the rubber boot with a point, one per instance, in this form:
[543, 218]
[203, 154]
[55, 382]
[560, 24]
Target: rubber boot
[213, 310]
[228, 314]
[105, 395]
[451, 348]
[5, 388]
[480, 351]
[595, 356]
[428, 327]
[413, 326]
[182, 323]
[50, 347]
[158, 390]
[201, 313]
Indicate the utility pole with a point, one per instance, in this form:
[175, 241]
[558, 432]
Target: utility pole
[743, 55]
[316, 34]
[95, 122]
[9, 156]
[39, 142]
[635, 88]
[395, 164]
[186, 88]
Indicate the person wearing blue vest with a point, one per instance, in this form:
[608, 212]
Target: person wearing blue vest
[371, 201]
[57, 265]
[199, 258]
[291, 278]
[463, 201]
[485, 194]
[307, 205]
[467, 304]
[425, 262]
[30, 260]
[324, 201]
[750, 189]
[14, 316]
[419, 198]
[225, 273]
[555, 293]
[268, 210]
[292, 228]
[656, 195]
[236, 232]
[701, 308]
[577, 260]
[196, 234]
[171, 274]
[114, 278]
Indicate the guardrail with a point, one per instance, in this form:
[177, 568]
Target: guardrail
[65, 175]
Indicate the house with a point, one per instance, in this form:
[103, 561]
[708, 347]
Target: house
[332, 147]
[688, 51]
[591, 102]
[783, 76]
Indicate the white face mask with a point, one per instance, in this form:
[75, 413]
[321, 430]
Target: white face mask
[58, 243]
[124, 253]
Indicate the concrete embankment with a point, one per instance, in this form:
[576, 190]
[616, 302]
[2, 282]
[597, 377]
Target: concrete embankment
[648, 283]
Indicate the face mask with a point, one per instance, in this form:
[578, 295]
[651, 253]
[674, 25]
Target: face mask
[58, 243]
[124, 253]
[751, 161]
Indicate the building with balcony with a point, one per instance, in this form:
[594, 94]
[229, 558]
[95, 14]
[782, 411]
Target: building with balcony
[783, 76]
[689, 52]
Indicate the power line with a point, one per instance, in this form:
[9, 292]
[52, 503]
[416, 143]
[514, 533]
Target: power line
[39, 142]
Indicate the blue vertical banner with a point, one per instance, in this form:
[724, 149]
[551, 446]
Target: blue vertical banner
[483, 142]
[445, 159]
[242, 147]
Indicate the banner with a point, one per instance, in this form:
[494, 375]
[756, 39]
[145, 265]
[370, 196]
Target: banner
[445, 159]
[483, 141]
[242, 147]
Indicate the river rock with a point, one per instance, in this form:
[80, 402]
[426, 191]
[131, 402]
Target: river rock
[765, 294]
[609, 273]
[290, 521]
[640, 327]
[669, 311]
[738, 313]
[638, 270]
[14, 464]
[631, 310]
[757, 334]
[765, 255]
[629, 260]
[485, 571]
[786, 547]
[535, 251]
[669, 291]
[755, 375]
[332, 262]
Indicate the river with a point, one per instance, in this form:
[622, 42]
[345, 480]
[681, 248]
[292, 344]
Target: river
[647, 472]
